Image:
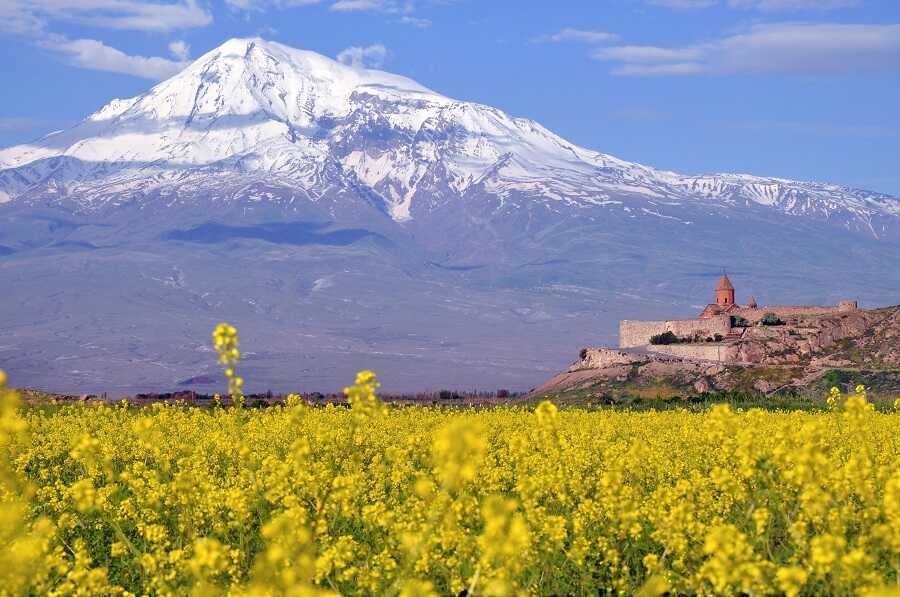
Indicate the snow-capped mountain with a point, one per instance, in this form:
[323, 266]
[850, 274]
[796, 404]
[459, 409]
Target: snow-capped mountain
[345, 218]
[307, 126]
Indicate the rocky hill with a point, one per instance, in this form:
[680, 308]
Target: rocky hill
[806, 353]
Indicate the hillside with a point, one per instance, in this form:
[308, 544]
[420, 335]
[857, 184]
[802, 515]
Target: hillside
[810, 354]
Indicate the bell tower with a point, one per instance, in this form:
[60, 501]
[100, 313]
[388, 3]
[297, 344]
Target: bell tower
[724, 291]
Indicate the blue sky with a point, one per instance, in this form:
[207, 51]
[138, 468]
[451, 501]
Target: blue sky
[806, 89]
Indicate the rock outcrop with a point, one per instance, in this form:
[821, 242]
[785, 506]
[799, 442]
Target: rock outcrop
[761, 358]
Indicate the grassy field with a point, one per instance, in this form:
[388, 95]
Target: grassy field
[414, 501]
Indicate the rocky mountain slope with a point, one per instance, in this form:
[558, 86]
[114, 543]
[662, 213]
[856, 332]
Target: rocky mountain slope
[855, 347]
[344, 217]
[257, 120]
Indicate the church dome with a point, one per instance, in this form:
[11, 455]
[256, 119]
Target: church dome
[724, 283]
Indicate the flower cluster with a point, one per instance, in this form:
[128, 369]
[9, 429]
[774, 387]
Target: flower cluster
[292, 499]
[225, 339]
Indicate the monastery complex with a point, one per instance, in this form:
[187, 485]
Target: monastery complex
[721, 325]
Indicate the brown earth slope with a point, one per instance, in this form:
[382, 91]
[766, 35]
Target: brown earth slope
[807, 352]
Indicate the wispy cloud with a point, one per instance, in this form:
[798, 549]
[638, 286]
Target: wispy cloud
[683, 4]
[404, 9]
[414, 22]
[861, 131]
[24, 125]
[789, 48]
[261, 5]
[358, 5]
[577, 35]
[786, 5]
[95, 55]
[32, 16]
[360, 57]
[180, 50]
[761, 5]
[33, 20]
[385, 6]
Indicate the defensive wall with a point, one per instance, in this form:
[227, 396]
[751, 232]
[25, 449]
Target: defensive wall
[610, 358]
[720, 353]
[601, 358]
[633, 333]
[787, 311]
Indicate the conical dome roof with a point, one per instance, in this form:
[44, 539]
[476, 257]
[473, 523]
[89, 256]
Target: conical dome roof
[724, 283]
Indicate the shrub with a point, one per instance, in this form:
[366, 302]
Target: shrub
[770, 319]
[665, 338]
[718, 337]
[738, 322]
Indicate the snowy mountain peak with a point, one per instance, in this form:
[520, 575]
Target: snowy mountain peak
[233, 100]
[255, 112]
[249, 76]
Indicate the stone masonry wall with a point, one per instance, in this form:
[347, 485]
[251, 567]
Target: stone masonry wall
[720, 353]
[785, 311]
[600, 358]
[638, 333]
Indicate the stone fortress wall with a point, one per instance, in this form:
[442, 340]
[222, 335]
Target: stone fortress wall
[634, 333]
[715, 320]
[788, 311]
[718, 352]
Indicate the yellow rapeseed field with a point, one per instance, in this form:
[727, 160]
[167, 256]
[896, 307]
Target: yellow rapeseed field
[374, 500]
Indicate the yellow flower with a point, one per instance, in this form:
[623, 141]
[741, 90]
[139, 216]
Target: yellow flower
[791, 580]
[417, 588]
[225, 341]
[546, 412]
[655, 586]
[381, 500]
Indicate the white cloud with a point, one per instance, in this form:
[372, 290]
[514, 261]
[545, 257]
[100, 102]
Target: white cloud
[21, 125]
[32, 19]
[393, 7]
[683, 4]
[577, 35]
[357, 5]
[32, 16]
[95, 55]
[780, 5]
[261, 5]
[790, 48]
[180, 50]
[415, 22]
[388, 6]
[763, 5]
[647, 54]
[15, 19]
[370, 56]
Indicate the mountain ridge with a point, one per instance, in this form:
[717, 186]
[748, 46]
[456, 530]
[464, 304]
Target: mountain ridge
[309, 122]
[378, 225]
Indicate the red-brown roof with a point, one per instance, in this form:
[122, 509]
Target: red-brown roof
[724, 283]
[716, 309]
